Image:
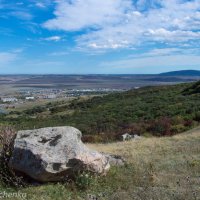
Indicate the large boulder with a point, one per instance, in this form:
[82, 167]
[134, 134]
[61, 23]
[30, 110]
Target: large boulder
[53, 154]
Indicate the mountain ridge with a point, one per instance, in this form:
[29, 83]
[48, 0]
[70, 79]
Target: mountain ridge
[181, 73]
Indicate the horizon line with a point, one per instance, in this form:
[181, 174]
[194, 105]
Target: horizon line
[76, 74]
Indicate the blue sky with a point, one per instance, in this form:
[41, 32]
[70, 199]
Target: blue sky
[95, 36]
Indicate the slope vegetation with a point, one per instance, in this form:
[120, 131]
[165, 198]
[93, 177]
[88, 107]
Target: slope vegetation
[159, 111]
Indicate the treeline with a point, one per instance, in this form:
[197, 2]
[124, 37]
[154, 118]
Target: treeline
[159, 111]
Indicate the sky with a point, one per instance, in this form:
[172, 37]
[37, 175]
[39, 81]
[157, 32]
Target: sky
[99, 36]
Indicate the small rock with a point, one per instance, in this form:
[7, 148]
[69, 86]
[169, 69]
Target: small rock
[115, 160]
[126, 137]
[136, 137]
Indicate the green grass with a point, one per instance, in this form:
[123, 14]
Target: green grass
[157, 168]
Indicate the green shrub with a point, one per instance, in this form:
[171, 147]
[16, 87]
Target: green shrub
[178, 128]
[197, 116]
[84, 180]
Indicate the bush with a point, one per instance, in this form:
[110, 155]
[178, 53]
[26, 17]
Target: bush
[178, 128]
[7, 175]
[161, 127]
[188, 123]
[197, 116]
[83, 180]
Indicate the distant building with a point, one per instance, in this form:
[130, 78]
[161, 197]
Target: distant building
[9, 99]
[47, 96]
[51, 96]
[30, 98]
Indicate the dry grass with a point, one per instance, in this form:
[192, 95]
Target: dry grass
[166, 168]
[158, 169]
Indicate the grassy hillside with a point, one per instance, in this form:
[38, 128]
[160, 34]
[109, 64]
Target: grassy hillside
[158, 168]
[159, 111]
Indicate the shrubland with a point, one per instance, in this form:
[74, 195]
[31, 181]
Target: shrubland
[157, 111]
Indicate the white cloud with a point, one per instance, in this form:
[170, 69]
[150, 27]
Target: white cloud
[24, 15]
[11, 56]
[53, 38]
[152, 63]
[110, 44]
[42, 63]
[7, 57]
[20, 3]
[40, 5]
[59, 53]
[160, 52]
[77, 14]
[114, 24]
[166, 35]
[152, 60]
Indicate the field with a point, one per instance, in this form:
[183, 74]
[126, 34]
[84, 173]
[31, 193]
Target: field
[165, 168]
[10, 84]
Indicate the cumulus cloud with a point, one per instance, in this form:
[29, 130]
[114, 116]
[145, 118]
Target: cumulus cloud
[76, 14]
[114, 24]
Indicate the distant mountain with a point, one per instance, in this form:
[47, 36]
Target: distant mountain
[182, 73]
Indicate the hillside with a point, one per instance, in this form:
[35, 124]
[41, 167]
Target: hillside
[159, 111]
[157, 168]
[194, 89]
[182, 73]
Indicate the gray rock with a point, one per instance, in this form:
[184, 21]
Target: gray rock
[136, 137]
[53, 154]
[115, 160]
[126, 137]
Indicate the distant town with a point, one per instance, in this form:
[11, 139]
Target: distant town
[25, 91]
[35, 94]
